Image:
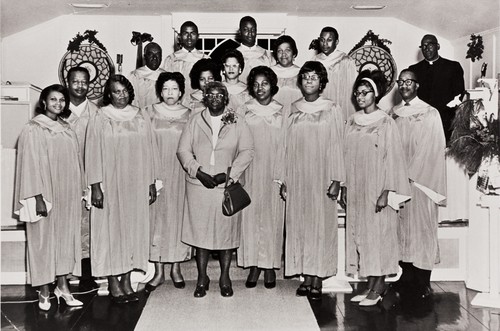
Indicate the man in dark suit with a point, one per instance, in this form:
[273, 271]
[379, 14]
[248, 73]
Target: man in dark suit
[440, 80]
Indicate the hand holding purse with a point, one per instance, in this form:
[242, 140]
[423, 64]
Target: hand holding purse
[235, 197]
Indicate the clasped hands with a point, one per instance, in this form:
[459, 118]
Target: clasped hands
[210, 181]
[97, 199]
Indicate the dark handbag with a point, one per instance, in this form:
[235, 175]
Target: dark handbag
[235, 197]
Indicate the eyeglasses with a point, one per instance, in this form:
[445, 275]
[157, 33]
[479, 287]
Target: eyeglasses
[310, 77]
[428, 45]
[406, 82]
[217, 96]
[363, 93]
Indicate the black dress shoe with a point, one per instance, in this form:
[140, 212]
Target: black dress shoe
[253, 274]
[314, 294]
[132, 297]
[119, 299]
[149, 288]
[201, 289]
[249, 284]
[269, 278]
[303, 290]
[270, 284]
[180, 284]
[226, 291]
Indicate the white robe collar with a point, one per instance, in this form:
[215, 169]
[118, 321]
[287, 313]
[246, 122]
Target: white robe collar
[307, 107]
[260, 110]
[288, 72]
[364, 119]
[416, 106]
[78, 110]
[146, 73]
[253, 52]
[187, 56]
[125, 114]
[174, 111]
[55, 126]
[235, 88]
[331, 59]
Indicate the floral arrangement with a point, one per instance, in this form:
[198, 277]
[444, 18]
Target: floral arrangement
[74, 44]
[229, 117]
[476, 48]
[375, 41]
[475, 136]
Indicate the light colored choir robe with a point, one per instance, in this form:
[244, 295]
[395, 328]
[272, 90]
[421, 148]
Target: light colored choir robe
[288, 91]
[144, 80]
[341, 76]
[238, 95]
[262, 222]
[48, 163]
[424, 145]
[314, 157]
[168, 210]
[203, 224]
[78, 120]
[122, 155]
[375, 162]
[254, 56]
[182, 61]
[194, 102]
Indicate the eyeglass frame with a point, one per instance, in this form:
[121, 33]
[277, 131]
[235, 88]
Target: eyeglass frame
[405, 82]
[363, 93]
[315, 77]
[218, 96]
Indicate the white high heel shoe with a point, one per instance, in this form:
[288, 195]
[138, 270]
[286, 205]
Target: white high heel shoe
[43, 302]
[370, 302]
[68, 297]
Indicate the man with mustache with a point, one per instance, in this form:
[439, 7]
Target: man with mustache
[81, 110]
[144, 78]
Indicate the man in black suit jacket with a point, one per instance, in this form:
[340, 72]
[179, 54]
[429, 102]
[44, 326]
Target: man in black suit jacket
[440, 80]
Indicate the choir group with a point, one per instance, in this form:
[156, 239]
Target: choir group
[141, 176]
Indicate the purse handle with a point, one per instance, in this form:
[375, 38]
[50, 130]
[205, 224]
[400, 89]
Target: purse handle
[227, 177]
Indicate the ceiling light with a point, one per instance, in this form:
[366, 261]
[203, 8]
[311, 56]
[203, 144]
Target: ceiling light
[368, 7]
[89, 5]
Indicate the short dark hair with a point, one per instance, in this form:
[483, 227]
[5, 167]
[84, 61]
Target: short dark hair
[189, 23]
[249, 19]
[282, 40]
[410, 70]
[268, 73]
[151, 44]
[331, 30]
[219, 86]
[165, 77]
[106, 99]
[236, 54]
[77, 69]
[377, 77]
[316, 67]
[200, 66]
[42, 107]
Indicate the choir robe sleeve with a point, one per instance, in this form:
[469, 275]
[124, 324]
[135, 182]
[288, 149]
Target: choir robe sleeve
[32, 173]
[395, 168]
[427, 166]
[245, 151]
[93, 149]
[336, 156]
[185, 152]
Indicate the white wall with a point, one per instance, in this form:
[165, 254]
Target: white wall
[33, 55]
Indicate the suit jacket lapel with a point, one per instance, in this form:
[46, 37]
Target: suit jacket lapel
[205, 125]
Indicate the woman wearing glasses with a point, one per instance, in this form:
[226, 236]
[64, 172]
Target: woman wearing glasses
[314, 169]
[376, 182]
[213, 140]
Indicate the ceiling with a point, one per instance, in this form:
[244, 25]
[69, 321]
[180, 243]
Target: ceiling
[451, 19]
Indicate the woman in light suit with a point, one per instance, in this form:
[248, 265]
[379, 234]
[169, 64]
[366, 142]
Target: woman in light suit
[213, 140]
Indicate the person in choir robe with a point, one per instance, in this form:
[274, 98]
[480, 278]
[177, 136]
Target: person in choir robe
[213, 140]
[203, 72]
[424, 145]
[253, 54]
[285, 52]
[122, 168]
[48, 193]
[168, 119]
[232, 66]
[262, 222]
[377, 182]
[314, 168]
[143, 79]
[440, 80]
[341, 70]
[183, 60]
[81, 109]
